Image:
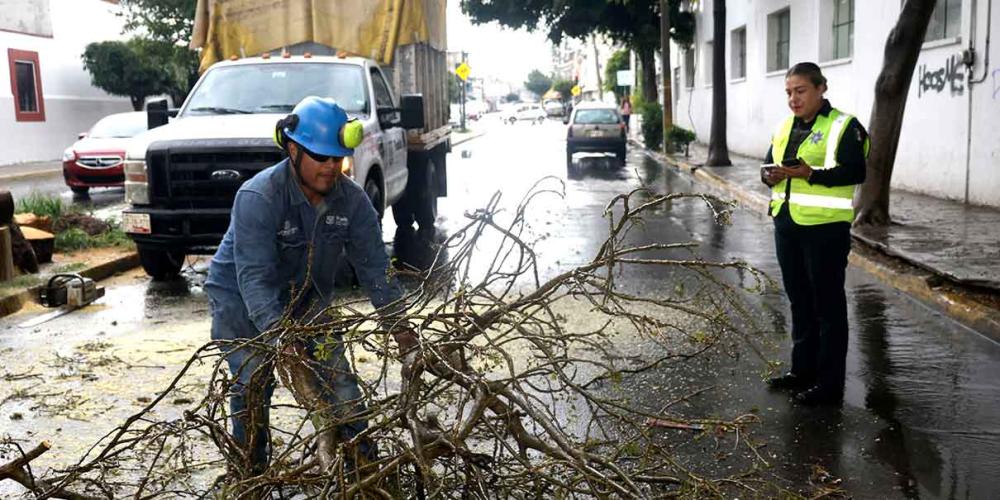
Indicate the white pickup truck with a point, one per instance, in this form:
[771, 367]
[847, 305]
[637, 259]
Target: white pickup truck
[181, 178]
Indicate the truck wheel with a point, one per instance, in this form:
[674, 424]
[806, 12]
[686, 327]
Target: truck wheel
[161, 264]
[373, 188]
[425, 206]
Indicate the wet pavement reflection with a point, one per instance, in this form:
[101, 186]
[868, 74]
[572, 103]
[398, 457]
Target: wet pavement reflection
[921, 415]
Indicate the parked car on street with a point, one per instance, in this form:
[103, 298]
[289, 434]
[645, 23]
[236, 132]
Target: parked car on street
[595, 127]
[532, 113]
[97, 159]
[553, 107]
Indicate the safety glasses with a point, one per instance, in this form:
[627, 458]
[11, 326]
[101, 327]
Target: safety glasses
[320, 158]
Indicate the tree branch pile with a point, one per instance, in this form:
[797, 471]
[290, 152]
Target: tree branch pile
[513, 390]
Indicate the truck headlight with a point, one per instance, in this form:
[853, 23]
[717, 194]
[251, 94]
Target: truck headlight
[136, 182]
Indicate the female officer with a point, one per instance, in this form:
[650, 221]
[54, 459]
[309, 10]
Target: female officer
[821, 152]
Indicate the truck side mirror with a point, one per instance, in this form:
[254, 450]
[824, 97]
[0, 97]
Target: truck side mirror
[158, 113]
[412, 108]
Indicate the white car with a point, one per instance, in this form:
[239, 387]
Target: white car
[532, 113]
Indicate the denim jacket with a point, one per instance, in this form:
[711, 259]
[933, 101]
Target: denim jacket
[265, 251]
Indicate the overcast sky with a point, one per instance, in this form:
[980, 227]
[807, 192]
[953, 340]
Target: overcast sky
[507, 54]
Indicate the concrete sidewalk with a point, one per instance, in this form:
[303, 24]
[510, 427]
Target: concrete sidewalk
[943, 253]
[956, 241]
[18, 171]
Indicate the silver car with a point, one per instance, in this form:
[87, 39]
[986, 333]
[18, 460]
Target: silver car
[595, 128]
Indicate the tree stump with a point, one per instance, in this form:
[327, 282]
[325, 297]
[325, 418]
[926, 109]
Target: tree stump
[42, 243]
[6, 255]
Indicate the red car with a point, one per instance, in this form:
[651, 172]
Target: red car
[97, 159]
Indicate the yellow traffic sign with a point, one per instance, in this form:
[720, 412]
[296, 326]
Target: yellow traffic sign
[463, 71]
[576, 90]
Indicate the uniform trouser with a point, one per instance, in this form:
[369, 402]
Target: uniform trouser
[253, 373]
[813, 261]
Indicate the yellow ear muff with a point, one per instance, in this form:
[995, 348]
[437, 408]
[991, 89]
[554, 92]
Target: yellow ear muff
[351, 134]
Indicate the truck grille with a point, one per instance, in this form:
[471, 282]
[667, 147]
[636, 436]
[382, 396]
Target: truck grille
[204, 174]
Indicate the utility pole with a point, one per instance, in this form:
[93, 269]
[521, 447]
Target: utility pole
[668, 99]
[464, 84]
[597, 69]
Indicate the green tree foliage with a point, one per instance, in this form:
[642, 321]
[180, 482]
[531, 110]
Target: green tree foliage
[652, 124]
[636, 23]
[166, 26]
[454, 89]
[165, 20]
[564, 87]
[538, 83]
[618, 61]
[512, 97]
[119, 69]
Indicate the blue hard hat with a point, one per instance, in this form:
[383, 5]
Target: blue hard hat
[319, 126]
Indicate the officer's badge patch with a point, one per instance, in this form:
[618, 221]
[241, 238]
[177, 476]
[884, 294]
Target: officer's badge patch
[816, 137]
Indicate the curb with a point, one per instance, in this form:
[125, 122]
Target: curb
[10, 304]
[467, 139]
[28, 175]
[895, 272]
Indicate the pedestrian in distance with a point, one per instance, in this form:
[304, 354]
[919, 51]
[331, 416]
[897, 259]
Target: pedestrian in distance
[816, 158]
[626, 111]
[290, 225]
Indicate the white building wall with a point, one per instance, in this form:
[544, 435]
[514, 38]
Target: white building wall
[71, 103]
[933, 152]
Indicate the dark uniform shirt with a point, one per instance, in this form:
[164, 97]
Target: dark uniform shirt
[851, 164]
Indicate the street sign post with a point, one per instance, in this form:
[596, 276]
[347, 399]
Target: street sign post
[625, 78]
[576, 90]
[463, 71]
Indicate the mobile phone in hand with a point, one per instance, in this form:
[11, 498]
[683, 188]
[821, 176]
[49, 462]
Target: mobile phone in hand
[794, 162]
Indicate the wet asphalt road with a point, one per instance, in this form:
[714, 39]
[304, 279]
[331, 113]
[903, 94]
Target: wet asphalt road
[921, 416]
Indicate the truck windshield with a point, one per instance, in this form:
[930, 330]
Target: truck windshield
[277, 88]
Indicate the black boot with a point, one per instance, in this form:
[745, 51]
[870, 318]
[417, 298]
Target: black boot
[820, 395]
[790, 382]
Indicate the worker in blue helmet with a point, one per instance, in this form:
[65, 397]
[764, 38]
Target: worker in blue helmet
[291, 225]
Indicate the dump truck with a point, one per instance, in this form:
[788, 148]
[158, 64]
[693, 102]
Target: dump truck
[383, 61]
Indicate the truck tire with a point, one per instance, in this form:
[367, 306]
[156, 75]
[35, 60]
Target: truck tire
[373, 188]
[160, 264]
[425, 203]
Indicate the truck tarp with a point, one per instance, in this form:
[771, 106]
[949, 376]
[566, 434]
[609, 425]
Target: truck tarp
[366, 28]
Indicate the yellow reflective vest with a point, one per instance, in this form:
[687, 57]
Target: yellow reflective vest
[812, 204]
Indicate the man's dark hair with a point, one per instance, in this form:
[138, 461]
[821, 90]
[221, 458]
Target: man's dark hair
[808, 70]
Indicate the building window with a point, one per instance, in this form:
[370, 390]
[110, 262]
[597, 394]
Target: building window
[778, 38]
[689, 68]
[945, 21]
[843, 29]
[708, 64]
[676, 82]
[26, 85]
[738, 55]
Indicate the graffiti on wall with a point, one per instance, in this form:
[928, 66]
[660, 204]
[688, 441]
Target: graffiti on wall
[996, 83]
[949, 76]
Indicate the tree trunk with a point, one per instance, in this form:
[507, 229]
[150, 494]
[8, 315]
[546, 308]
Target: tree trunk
[718, 149]
[647, 66]
[902, 48]
[137, 102]
[668, 99]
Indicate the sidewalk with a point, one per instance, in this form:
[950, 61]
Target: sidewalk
[957, 241]
[942, 252]
[31, 169]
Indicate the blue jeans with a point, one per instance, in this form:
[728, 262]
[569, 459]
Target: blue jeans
[253, 371]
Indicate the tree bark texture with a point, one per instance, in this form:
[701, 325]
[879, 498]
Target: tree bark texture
[647, 66]
[718, 149]
[902, 49]
[668, 100]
